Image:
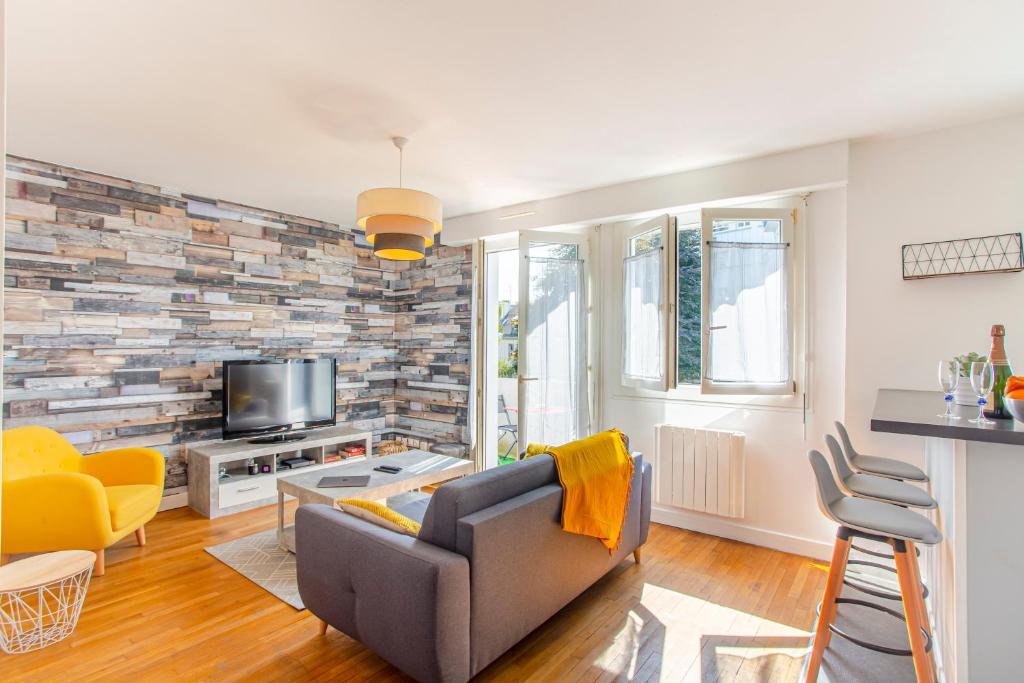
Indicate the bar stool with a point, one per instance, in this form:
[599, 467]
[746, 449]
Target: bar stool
[875, 487]
[881, 522]
[884, 490]
[882, 467]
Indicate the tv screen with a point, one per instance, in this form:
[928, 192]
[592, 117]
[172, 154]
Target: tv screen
[267, 397]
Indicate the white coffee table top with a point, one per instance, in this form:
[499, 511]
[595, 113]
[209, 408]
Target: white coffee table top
[419, 468]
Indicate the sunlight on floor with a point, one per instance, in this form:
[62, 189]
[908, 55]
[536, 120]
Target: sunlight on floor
[707, 641]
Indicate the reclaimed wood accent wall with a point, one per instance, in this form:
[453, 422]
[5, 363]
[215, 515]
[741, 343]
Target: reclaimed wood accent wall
[123, 299]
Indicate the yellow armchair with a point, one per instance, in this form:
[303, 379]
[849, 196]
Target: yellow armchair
[56, 499]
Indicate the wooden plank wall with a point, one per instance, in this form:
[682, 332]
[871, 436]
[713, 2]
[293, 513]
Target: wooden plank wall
[123, 298]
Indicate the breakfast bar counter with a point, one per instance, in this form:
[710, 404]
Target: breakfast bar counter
[974, 576]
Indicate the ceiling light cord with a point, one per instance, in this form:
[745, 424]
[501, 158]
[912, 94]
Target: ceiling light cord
[399, 143]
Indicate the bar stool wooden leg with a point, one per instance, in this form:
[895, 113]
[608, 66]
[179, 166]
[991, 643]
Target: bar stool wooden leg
[833, 587]
[913, 608]
[915, 564]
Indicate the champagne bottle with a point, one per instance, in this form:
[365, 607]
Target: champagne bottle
[1001, 368]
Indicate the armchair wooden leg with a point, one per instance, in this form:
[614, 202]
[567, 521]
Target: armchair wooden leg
[4, 559]
[323, 627]
[636, 555]
[100, 566]
[140, 535]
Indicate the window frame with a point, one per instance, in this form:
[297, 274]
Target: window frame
[666, 224]
[788, 237]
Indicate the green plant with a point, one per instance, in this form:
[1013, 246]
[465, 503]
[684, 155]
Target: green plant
[507, 368]
[966, 360]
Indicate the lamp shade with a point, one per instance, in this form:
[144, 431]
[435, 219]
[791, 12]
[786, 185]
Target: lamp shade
[399, 225]
[398, 201]
[399, 247]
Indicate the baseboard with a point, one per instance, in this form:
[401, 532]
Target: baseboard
[718, 526]
[174, 500]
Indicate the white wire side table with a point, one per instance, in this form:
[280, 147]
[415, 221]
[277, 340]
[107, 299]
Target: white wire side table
[41, 598]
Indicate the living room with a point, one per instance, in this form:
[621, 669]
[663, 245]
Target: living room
[449, 341]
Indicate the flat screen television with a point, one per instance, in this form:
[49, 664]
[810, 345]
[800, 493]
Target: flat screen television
[274, 399]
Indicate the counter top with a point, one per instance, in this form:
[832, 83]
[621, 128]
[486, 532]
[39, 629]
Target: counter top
[901, 411]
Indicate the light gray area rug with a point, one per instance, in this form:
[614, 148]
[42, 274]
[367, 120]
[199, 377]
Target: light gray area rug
[261, 560]
[846, 662]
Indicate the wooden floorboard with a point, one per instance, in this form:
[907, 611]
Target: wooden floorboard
[699, 608]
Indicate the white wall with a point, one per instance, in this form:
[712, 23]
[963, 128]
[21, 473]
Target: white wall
[781, 507]
[788, 172]
[959, 182]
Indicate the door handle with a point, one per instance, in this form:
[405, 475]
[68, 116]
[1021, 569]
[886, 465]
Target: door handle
[527, 379]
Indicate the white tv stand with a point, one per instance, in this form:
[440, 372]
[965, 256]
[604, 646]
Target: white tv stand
[213, 496]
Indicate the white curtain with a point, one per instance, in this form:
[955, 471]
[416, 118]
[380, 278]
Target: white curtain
[748, 313]
[557, 404]
[642, 331]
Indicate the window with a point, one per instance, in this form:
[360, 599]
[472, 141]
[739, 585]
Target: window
[688, 304]
[729, 301]
[645, 305]
[747, 301]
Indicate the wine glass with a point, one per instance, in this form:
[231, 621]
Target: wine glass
[949, 378]
[983, 376]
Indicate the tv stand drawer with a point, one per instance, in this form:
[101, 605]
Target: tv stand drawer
[247, 490]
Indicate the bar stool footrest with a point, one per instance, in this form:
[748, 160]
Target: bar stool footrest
[884, 649]
[873, 590]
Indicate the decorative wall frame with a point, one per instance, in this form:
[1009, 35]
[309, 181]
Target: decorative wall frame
[992, 254]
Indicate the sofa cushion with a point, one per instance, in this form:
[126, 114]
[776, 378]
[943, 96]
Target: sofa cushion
[462, 497]
[130, 502]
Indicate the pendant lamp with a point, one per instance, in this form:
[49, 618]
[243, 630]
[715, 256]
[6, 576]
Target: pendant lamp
[400, 223]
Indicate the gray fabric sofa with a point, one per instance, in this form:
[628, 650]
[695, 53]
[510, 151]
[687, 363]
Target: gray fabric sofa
[491, 564]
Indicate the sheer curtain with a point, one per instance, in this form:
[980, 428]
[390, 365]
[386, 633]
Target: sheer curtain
[557, 404]
[748, 313]
[642, 333]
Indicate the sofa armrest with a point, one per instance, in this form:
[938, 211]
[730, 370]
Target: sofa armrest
[405, 599]
[645, 501]
[122, 466]
[58, 511]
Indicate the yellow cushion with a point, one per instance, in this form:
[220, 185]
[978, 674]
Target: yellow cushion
[380, 514]
[131, 502]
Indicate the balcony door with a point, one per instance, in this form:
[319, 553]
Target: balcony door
[553, 396]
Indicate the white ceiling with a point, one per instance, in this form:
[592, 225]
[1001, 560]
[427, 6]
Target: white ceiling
[289, 105]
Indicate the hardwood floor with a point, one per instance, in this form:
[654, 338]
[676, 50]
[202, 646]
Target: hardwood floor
[699, 608]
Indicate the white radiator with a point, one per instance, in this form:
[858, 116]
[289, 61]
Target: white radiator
[699, 469]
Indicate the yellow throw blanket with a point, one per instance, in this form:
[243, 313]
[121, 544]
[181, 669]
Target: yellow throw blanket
[595, 473]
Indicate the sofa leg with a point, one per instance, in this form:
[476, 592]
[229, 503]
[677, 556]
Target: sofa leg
[636, 555]
[140, 535]
[4, 559]
[100, 566]
[323, 627]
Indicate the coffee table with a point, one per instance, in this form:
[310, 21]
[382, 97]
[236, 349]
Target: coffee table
[419, 468]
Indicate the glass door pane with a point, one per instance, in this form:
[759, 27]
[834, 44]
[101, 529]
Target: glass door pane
[553, 389]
